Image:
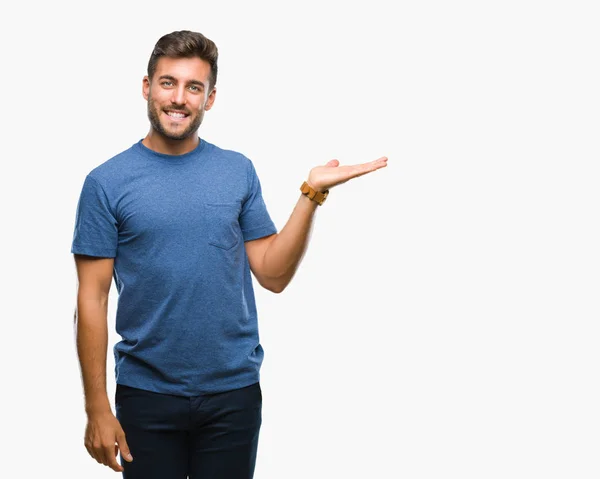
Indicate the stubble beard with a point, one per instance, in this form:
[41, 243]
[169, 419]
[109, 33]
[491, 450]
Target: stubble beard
[154, 117]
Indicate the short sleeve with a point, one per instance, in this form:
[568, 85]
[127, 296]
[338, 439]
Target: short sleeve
[96, 229]
[255, 220]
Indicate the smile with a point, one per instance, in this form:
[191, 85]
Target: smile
[176, 115]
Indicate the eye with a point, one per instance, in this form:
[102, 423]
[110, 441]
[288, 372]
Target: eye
[195, 88]
[167, 83]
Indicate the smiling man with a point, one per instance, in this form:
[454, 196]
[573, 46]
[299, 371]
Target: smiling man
[181, 226]
[175, 110]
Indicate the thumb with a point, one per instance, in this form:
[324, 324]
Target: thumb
[122, 442]
[333, 163]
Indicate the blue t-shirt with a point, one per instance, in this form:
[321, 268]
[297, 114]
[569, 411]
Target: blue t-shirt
[176, 226]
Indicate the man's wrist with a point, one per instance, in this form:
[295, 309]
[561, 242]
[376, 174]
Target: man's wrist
[315, 186]
[314, 194]
[97, 405]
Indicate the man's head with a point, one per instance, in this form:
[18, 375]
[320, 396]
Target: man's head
[186, 44]
[180, 85]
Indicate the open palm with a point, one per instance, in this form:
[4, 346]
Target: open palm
[324, 177]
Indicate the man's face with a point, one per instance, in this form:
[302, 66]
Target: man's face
[178, 96]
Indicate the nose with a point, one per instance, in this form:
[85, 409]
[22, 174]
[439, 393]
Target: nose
[178, 97]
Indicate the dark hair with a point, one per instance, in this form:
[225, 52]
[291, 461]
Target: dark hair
[186, 44]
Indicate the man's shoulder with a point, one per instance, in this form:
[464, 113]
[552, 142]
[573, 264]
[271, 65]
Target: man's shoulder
[115, 165]
[226, 154]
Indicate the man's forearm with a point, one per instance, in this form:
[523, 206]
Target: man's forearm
[92, 340]
[285, 252]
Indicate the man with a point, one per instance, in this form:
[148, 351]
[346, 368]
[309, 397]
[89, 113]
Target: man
[181, 224]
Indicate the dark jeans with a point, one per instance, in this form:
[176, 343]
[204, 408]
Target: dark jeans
[213, 436]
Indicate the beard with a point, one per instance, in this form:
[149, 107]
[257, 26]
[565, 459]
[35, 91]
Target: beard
[154, 113]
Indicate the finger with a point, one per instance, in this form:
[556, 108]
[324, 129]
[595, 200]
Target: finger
[359, 170]
[376, 164]
[117, 455]
[111, 459]
[92, 453]
[123, 446]
[333, 163]
[99, 454]
[372, 166]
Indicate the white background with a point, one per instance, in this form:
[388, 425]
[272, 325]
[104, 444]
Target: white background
[444, 322]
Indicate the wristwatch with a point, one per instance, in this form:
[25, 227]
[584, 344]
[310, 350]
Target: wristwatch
[318, 196]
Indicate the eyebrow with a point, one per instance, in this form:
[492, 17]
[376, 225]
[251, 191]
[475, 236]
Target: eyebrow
[191, 82]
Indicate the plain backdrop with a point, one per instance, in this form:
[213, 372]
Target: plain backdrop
[444, 322]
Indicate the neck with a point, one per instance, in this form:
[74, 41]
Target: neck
[167, 146]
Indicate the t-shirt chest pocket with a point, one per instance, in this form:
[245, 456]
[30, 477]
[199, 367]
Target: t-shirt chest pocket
[222, 223]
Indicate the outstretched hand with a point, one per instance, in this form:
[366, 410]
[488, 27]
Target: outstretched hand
[322, 178]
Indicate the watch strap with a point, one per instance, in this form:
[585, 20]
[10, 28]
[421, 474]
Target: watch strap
[318, 196]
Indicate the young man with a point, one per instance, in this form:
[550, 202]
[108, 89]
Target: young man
[181, 224]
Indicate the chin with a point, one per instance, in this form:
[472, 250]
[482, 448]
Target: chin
[176, 137]
[173, 134]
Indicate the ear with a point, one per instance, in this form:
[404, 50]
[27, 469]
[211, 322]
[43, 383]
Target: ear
[211, 99]
[146, 87]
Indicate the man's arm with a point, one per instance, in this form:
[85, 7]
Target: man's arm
[275, 259]
[94, 278]
[103, 429]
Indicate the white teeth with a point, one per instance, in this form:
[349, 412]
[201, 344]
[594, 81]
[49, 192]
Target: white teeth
[175, 115]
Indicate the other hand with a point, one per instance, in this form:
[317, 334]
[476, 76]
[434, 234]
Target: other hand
[322, 178]
[104, 436]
